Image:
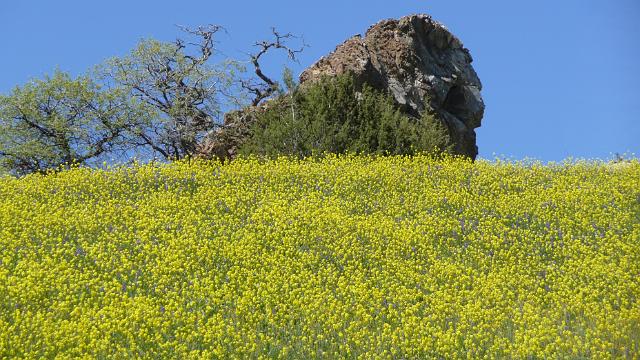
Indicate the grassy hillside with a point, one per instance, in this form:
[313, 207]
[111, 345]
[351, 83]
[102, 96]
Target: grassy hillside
[342, 257]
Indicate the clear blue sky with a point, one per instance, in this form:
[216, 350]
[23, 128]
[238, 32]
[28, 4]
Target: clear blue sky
[561, 77]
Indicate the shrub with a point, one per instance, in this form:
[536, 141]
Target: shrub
[333, 115]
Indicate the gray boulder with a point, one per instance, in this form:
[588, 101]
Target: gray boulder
[419, 62]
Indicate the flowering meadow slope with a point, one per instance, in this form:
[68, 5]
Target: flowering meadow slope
[342, 257]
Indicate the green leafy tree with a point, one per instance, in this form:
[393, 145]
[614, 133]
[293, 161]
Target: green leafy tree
[332, 115]
[181, 88]
[61, 120]
[162, 99]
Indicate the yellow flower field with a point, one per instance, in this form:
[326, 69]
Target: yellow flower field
[344, 257]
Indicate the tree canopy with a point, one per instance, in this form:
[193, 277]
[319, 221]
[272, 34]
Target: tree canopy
[180, 86]
[158, 101]
[63, 120]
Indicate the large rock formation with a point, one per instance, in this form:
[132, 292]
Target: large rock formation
[414, 58]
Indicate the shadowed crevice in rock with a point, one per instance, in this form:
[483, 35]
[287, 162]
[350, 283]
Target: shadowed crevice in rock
[415, 59]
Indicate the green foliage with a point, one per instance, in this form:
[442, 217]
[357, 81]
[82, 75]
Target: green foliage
[60, 120]
[288, 79]
[333, 116]
[160, 100]
[185, 93]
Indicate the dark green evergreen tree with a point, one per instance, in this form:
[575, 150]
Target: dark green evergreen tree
[332, 115]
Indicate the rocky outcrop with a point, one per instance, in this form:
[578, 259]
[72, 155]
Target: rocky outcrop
[419, 62]
[415, 58]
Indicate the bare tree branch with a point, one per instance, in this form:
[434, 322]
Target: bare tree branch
[269, 86]
[206, 45]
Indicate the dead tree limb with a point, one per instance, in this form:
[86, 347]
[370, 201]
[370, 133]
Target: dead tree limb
[267, 86]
